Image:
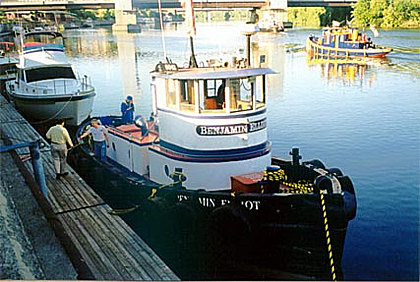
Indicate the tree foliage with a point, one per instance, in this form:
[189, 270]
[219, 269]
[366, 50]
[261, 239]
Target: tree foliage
[315, 17]
[387, 13]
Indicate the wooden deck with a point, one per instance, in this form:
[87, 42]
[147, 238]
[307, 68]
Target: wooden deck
[105, 244]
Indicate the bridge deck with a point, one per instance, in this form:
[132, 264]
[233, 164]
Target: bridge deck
[150, 4]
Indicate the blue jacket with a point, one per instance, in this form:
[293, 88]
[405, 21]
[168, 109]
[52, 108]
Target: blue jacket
[127, 111]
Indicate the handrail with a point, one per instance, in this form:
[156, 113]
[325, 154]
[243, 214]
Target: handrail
[81, 86]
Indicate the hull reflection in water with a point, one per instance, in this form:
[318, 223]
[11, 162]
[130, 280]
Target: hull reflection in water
[347, 71]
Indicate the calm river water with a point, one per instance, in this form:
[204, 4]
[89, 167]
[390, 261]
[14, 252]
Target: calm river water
[364, 119]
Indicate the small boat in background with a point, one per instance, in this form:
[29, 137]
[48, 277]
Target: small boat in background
[339, 42]
[46, 88]
[270, 26]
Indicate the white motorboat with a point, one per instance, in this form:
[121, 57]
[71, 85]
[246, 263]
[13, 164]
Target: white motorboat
[46, 87]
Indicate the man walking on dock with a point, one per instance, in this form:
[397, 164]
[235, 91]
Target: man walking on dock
[59, 136]
[100, 138]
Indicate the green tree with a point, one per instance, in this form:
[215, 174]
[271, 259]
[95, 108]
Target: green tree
[387, 13]
[361, 13]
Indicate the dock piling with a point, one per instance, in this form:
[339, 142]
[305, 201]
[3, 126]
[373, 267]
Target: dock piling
[36, 162]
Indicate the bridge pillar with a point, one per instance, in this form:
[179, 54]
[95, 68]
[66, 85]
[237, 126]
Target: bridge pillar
[276, 10]
[125, 17]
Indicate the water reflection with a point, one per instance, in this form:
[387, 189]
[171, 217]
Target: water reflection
[129, 63]
[270, 53]
[98, 43]
[347, 72]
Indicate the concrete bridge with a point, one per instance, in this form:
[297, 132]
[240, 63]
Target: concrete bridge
[150, 4]
[125, 10]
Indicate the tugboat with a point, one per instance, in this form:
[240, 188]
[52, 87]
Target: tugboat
[200, 170]
[206, 192]
[344, 42]
[46, 87]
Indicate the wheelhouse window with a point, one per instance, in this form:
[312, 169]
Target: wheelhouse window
[171, 93]
[241, 94]
[260, 91]
[49, 73]
[212, 95]
[187, 95]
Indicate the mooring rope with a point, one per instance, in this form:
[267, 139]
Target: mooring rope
[56, 114]
[327, 235]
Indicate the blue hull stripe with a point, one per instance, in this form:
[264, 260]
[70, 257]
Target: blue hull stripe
[212, 153]
[220, 158]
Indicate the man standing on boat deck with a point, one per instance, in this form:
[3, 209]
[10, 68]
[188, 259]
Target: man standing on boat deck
[59, 136]
[127, 110]
[100, 139]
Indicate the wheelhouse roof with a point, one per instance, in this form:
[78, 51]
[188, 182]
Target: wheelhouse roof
[213, 73]
[36, 58]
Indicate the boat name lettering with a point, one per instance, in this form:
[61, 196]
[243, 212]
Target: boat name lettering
[213, 202]
[232, 129]
[207, 202]
[182, 198]
[251, 205]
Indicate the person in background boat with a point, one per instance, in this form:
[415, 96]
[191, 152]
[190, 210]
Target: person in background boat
[220, 98]
[127, 110]
[100, 139]
[59, 136]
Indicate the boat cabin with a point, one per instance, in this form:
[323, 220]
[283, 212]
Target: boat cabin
[345, 37]
[208, 103]
[212, 125]
[44, 69]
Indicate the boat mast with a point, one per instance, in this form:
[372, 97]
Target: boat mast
[190, 21]
[193, 61]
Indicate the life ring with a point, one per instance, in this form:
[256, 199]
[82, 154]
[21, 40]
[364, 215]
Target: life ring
[181, 224]
[228, 227]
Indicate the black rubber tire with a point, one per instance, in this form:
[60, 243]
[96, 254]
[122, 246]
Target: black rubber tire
[315, 163]
[335, 171]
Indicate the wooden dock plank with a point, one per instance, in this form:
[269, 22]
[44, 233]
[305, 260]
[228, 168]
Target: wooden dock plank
[108, 246]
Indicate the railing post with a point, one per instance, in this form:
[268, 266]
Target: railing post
[38, 168]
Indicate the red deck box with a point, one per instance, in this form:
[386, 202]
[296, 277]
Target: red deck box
[248, 183]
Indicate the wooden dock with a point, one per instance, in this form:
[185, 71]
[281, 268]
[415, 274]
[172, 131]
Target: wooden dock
[101, 246]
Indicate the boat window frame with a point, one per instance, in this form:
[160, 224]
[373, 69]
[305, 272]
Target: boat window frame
[187, 103]
[51, 70]
[212, 104]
